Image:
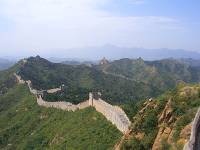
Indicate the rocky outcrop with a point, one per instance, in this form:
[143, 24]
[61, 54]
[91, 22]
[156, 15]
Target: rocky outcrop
[189, 91]
[185, 134]
[165, 130]
[166, 116]
[119, 144]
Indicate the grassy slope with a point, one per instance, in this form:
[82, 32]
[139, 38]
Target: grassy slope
[25, 125]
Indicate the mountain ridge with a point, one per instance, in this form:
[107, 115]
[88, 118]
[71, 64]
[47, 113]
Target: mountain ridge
[115, 52]
[152, 118]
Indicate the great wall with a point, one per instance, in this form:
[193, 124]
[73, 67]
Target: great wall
[112, 113]
[194, 141]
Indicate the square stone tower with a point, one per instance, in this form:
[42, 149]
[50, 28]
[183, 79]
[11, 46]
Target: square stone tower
[90, 99]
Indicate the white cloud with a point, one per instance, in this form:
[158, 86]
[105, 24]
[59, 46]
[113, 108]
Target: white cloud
[47, 24]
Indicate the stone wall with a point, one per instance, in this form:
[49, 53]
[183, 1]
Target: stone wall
[50, 91]
[19, 79]
[67, 106]
[60, 105]
[33, 91]
[112, 113]
[195, 125]
[83, 105]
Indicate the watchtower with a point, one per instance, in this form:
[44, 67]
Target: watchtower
[94, 96]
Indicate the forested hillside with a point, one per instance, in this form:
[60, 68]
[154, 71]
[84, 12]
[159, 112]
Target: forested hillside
[80, 79]
[160, 74]
[25, 125]
[120, 81]
[161, 122]
[7, 80]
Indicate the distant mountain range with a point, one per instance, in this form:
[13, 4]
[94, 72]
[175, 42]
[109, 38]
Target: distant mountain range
[114, 52]
[5, 63]
[191, 62]
[111, 52]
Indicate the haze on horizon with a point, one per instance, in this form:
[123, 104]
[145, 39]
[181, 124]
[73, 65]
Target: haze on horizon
[38, 26]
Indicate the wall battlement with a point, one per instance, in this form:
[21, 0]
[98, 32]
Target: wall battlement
[193, 144]
[112, 113]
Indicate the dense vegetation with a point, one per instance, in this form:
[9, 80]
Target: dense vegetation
[185, 99]
[46, 75]
[7, 80]
[122, 81]
[146, 125]
[25, 125]
[161, 74]
[74, 96]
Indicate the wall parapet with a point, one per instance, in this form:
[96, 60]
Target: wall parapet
[19, 79]
[62, 105]
[112, 113]
[190, 145]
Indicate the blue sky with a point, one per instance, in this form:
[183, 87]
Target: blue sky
[35, 26]
[184, 9]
